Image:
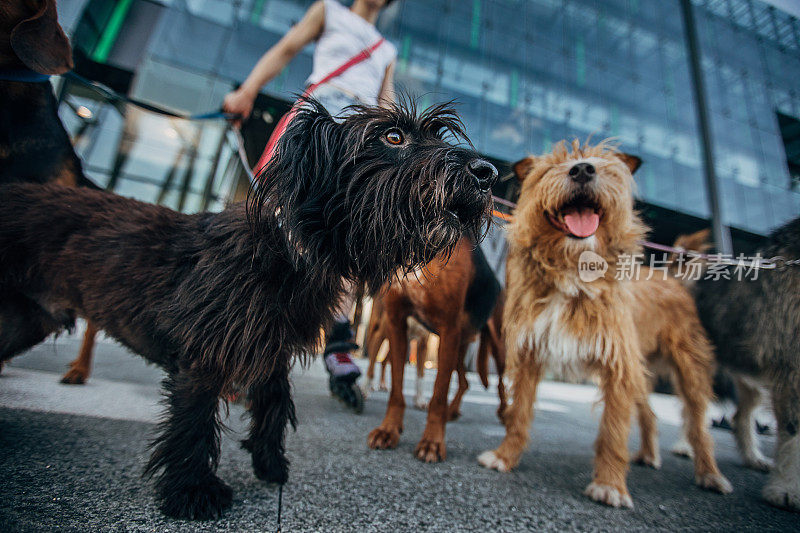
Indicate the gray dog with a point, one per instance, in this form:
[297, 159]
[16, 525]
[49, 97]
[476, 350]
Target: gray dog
[755, 325]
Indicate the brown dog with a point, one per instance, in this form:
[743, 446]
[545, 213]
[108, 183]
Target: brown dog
[455, 298]
[32, 47]
[575, 209]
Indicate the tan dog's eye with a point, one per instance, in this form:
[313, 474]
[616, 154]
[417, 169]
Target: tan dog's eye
[394, 136]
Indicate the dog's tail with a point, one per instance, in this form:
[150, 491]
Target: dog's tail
[699, 241]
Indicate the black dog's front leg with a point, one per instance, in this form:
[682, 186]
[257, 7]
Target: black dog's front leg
[187, 451]
[271, 409]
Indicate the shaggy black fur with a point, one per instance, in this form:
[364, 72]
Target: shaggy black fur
[228, 300]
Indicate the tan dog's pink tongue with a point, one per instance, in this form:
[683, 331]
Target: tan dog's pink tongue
[582, 222]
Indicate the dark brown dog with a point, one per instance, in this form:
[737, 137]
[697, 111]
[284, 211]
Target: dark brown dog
[34, 146]
[456, 299]
[228, 301]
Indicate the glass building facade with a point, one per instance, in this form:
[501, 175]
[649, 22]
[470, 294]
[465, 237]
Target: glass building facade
[525, 74]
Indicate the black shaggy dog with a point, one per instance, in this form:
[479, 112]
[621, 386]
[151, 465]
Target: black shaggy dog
[224, 300]
[755, 325]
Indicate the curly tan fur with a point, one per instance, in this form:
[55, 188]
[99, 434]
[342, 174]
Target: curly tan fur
[606, 327]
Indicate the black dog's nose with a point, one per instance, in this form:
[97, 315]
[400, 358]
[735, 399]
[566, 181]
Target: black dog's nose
[582, 173]
[484, 173]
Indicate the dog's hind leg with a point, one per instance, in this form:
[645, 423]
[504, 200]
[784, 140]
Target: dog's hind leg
[454, 410]
[23, 324]
[691, 361]
[81, 367]
[271, 410]
[744, 425]
[422, 355]
[783, 487]
[187, 450]
[648, 454]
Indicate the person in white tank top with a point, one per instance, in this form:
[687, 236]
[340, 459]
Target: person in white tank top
[341, 33]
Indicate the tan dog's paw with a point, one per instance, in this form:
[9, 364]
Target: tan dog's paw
[645, 459]
[430, 450]
[421, 404]
[608, 495]
[489, 459]
[783, 493]
[714, 481]
[682, 448]
[383, 439]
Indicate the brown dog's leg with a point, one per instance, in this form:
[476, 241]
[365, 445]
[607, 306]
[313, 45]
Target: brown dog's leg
[691, 362]
[422, 355]
[518, 417]
[620, 391]
[498, 351]
[382, 382]
[81, 367]
[431, 447]
[454, 410]
[387, 435]
[648, 454]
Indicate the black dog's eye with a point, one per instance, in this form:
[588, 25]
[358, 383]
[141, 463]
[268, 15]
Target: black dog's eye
[394, 136]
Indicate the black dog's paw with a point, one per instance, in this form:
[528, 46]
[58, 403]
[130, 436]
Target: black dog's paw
[269, 467]
[201, 501]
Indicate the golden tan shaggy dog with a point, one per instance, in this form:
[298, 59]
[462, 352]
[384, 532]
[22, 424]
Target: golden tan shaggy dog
[575, 201]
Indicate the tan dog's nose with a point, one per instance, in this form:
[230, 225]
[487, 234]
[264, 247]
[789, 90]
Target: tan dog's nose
[582, 173]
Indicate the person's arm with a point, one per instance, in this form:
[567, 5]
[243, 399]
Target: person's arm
[386, 96]
[275, 59]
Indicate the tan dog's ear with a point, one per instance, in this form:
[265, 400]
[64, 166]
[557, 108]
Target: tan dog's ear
[523, 167]
[40, 42]
[631, 161]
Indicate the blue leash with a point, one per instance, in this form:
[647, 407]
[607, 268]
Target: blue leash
[24, 75]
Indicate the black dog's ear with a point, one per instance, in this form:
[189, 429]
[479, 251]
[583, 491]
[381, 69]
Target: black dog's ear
[297, 179]
[523, 167]
[40, 42]
[631, 161]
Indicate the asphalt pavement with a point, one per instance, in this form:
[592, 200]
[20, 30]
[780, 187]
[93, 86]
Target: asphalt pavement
[71, 459]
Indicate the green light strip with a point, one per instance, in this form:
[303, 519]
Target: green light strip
[111, 31]
[405, 51]
[614, 121]
[580, 61]
[258, 9]
[475, 33]
[514, 94]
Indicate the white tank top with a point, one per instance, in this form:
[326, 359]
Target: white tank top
[344, 36]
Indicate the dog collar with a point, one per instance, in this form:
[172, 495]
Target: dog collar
[23, 74]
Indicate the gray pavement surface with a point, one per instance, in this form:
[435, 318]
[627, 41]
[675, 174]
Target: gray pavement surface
[71, 459]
